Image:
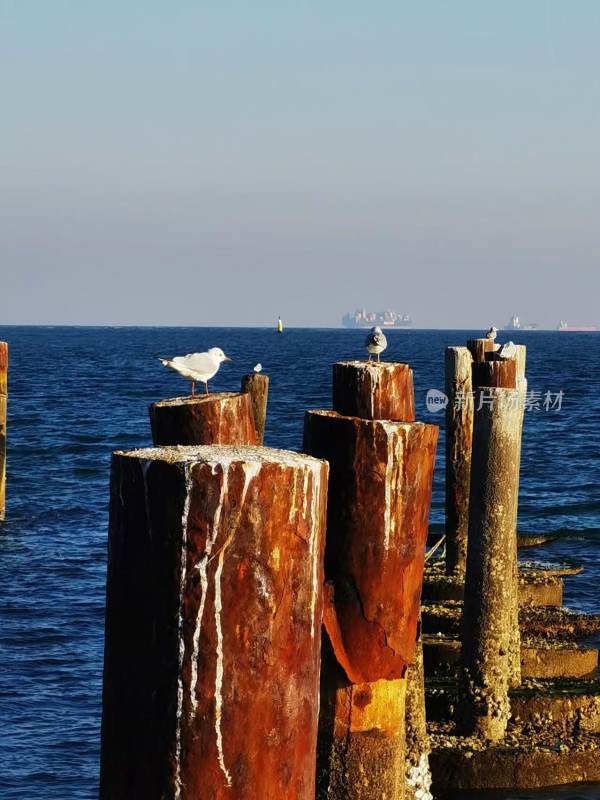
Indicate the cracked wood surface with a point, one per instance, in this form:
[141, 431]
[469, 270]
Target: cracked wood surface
[379, 496]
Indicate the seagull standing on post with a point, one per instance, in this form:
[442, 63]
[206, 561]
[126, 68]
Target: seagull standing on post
[375, 342]
[492, 333]
[506, 351]
[197, 366]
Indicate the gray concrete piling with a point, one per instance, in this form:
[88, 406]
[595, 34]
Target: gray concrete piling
[491, 587]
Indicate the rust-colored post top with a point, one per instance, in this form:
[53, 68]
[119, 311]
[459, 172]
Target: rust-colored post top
[220, 418]
[256, 384]
[479, 348]
[374, 390]
[497, 374]
[3, 367]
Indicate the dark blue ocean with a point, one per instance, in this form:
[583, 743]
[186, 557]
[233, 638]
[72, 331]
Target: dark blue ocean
[76, 394]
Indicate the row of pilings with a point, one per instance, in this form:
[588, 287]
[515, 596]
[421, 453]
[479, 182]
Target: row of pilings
[203, 566]
[226, 557]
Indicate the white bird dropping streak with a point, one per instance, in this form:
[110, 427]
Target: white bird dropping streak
[219, 665]
[373, 374]
[293, 511]
[315, 470]
[250, 471]
[187, 471]
[388, 518]
[202, 567]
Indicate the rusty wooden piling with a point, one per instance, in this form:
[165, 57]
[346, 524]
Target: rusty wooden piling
[256, 384]
[3, 409]
[381, 474]
[379, 497]
[479, 348]
[502, 374]
[220, 418]
[459, 435]
[214, 603]
[489, 633]
[374, 390]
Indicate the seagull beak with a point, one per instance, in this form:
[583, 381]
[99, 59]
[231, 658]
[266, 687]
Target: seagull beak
[227, 358]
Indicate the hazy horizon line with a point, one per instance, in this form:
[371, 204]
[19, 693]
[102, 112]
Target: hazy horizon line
[407, 329]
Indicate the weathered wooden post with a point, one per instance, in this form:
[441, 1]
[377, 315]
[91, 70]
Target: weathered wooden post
[220, 418]
[3, 405]
[256, 384]
[479, 348]
[379, 496]
[489, 638]
[369, 390]
[459, 436]
[214, 604]
[509, 374]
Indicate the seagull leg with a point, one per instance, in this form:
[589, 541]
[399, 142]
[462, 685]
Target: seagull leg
[193, 388]
[378, 358]
[206, 384]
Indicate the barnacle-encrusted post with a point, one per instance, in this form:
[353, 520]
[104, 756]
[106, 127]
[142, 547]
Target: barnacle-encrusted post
[490, 633]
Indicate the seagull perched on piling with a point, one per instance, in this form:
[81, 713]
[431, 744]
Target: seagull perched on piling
[258, 367]
[507, 350]
[375, 342]
[492, 333]
[197, 366]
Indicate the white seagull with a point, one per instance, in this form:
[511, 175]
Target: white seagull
[507, 350]
[375, 342]
[258, 367]
[197, 366]
[492, 333]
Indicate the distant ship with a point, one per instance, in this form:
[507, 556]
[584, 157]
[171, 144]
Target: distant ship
[362, 318]
[515, 324]
[566, 328]
[279, 325]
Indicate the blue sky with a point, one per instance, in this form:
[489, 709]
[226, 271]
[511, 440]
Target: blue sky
[222, 163]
